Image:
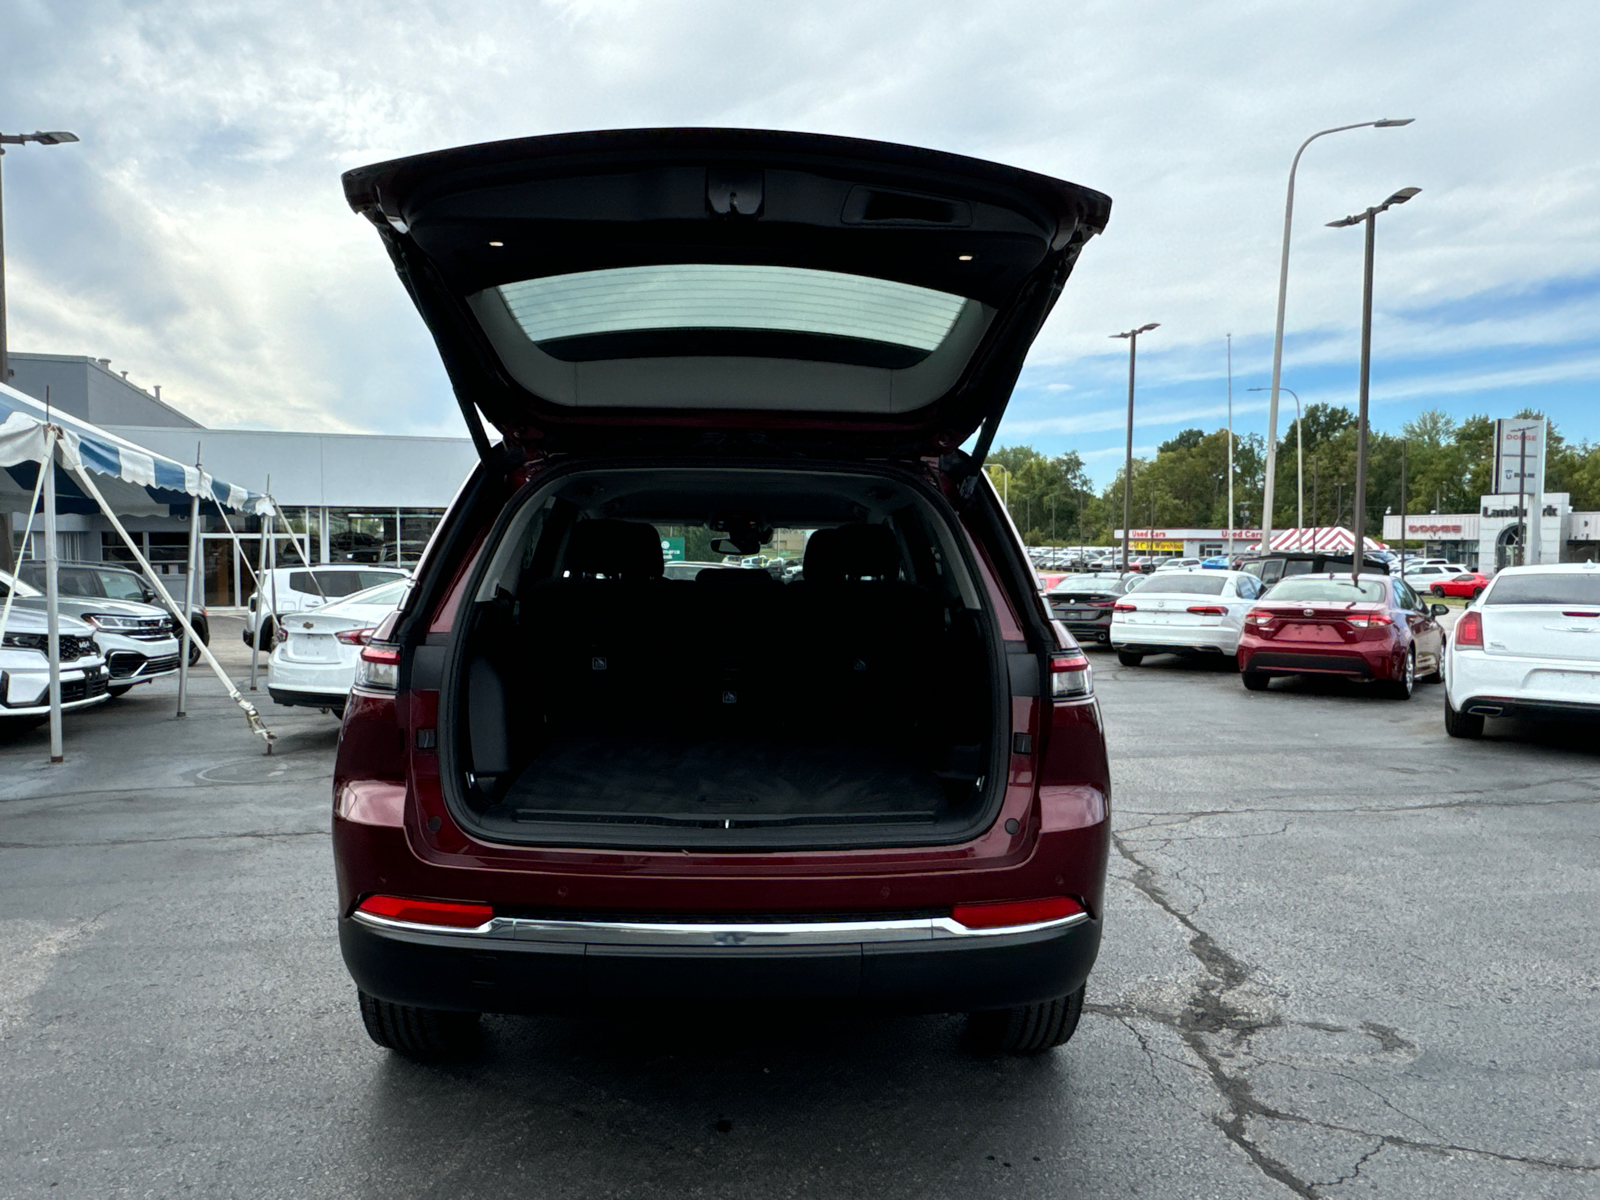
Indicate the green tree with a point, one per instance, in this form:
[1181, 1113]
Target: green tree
[1044, 494]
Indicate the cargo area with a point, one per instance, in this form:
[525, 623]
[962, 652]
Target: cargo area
[845, 692]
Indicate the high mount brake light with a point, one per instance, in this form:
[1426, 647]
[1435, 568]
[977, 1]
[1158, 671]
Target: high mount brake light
[1208, 610]
[1469, 630]
[1070, 676]
[427, 912]
[378, 669]
[356, 637]
[1015, 912]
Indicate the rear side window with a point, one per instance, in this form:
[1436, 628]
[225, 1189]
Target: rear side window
[1545, 589]
[1189, 585]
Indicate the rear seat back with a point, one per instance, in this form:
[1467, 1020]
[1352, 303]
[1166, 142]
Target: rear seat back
[587, 645]
[867, 638]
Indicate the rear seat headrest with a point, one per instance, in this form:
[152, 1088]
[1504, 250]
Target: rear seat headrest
[852, 552]
[628, 550]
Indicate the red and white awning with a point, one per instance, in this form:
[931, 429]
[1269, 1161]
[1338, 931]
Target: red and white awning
[1331, 539]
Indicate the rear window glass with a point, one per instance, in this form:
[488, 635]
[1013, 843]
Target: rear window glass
[333, 584]
[1545, 589]
[1089, 583]
[560, 311]
[1339, 591]
[1209, 584]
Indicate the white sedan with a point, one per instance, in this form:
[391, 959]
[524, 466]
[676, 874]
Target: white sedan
[313, 664]
[1528, 647]
[1183, 612]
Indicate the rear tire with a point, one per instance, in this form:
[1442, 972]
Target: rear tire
[265, 634]
[424, 1034]
[1476, 592]
[1402, 688]
[1459, 724]
[1028, 1029]
[1128, 658]
[1254, 681]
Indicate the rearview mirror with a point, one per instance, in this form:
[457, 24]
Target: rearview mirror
[1439, 610]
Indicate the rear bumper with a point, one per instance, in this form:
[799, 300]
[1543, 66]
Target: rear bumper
[1287, 662]
[1529, 710]
[1522, 686]
[291, 698]
[1089, 632]
[552, 966]
[1173, 639]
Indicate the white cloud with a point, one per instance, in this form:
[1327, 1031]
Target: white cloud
[198, 235]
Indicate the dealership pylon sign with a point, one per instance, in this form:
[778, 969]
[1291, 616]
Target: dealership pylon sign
[1519, 459]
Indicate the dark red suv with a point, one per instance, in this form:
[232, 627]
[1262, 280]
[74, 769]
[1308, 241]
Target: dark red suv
[566, 780]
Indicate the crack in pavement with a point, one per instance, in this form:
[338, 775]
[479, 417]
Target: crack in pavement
[1209, 1014]
[1355, 1172]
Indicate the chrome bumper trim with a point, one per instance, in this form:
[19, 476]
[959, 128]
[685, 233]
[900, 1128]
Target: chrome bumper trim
[761, 933]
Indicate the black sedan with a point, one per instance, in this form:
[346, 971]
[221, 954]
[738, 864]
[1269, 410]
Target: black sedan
[1083, 603]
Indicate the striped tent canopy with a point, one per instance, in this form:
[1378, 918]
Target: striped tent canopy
[135, 482]
[1332, 539]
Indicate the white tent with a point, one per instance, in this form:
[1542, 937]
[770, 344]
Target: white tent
[95, 471]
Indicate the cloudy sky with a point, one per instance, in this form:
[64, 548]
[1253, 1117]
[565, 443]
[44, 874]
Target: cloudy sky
[199, 239]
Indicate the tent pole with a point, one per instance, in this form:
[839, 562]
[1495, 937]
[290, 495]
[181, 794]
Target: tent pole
[261, 597]
[22, 548]
[52, 593]
[249, 709]
[188, 588]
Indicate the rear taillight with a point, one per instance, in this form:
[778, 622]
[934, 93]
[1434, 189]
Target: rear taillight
[1015, 912]
[427, 912]
[1208, 610]
[1469, 630]
[356, 637]
[1123, 608]
[1070, 676]
[1258, 617]
[378, 669]
[1369, 620]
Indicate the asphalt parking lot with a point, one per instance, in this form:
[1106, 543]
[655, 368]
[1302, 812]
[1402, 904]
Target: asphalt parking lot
[1344, 956]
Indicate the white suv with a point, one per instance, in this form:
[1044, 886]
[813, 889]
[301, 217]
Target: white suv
[1529, 647]
[300, 589]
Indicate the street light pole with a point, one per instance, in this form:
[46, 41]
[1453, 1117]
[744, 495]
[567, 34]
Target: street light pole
[1299, 473]
[56, 138]
[1127, 470]
[1359, 503]
[1231, 509]
[1283, 293]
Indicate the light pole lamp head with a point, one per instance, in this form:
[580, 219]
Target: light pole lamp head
[1136, 332]
[1392, 122]
[54, 138]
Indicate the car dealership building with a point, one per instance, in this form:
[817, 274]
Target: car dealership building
[350, 497]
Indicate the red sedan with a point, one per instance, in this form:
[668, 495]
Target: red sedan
[1470, 585]
[1376, 630]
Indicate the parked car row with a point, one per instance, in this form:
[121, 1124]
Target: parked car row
[110, 642]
